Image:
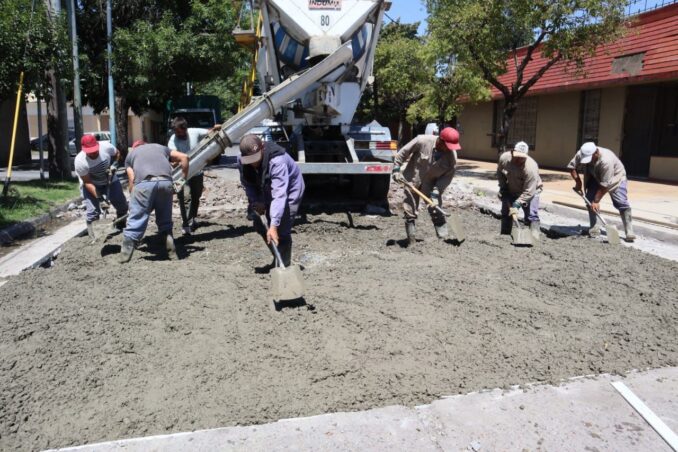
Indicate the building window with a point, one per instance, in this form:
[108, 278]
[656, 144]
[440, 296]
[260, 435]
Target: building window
[523, 125]
[589, 116]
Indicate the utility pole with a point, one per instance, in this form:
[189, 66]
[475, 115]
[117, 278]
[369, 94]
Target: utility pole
[111, 92]
[77, 101]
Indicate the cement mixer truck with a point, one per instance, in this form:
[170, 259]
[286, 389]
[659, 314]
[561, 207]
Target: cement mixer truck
[312, 60]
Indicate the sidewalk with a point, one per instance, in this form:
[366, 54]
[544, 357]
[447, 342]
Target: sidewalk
[651, 202]
[583, 414]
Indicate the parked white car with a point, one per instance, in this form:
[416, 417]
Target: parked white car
[101, 136]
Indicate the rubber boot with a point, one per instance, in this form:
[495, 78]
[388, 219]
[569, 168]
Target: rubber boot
[411, 231]
[285, 249]
[594, 228]
[169, 245]
[506, 225]
[535, 229]
[628, 225]
[127, 249]
[90, 231]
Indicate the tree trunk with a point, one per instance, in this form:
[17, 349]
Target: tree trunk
[507, 116]
[57, 119]
[57, 130]
[121, 108]
[400, 131]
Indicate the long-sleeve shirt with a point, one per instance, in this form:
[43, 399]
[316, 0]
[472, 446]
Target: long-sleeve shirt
[522, 182]
[426, 164]
[608, 170]
[284, 186]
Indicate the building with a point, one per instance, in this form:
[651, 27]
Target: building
[625, 99]
[148, 126]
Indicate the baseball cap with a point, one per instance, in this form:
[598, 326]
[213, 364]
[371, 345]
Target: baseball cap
[451, 138]
[521, 149]
[138, 143]
[586, 151]
[251, 148]
[89, 144]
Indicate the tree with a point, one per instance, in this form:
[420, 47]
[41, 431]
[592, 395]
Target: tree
[158, 46]
[485, 33]
[449, 81]
[33, 39]
[399, 72]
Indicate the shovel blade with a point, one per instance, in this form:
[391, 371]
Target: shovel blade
[287, 283]
[522, 237]
[612, 235]
[457, 228]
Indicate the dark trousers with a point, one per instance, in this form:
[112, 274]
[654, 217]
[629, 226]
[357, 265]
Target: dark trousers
[195, 186]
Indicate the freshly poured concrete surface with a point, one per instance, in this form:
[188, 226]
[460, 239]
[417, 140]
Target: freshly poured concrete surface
[583, 414]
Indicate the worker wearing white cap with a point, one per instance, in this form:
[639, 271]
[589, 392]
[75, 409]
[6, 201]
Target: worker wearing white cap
[519, 187]
[603, 173]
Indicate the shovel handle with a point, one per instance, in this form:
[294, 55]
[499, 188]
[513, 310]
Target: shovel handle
[272, 245]
[588, 204]
[426, 199]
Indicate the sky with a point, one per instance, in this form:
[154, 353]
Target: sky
[409, 11]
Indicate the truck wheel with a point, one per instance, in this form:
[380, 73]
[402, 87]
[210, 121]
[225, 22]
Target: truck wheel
[379, 186]
[360, 186]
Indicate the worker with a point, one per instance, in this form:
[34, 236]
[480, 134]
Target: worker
[431, 162]
[274, 186]
[150, 183]
[603, 173]
[96, 165]
[183, 140]
[519, 188]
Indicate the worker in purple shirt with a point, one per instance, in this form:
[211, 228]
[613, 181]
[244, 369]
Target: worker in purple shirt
[274, 186]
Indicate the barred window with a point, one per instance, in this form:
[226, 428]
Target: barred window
[523, 124]
[589, 116]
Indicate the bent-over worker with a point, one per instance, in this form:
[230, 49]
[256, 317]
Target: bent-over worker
[274, 186]
[150, 183]
[96, 165]
[603, 173]
[431, 162]
[519, 187]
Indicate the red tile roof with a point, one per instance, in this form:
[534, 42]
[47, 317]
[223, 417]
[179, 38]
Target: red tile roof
[655, 33]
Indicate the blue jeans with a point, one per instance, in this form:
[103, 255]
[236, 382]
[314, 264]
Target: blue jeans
[531, 210]
[93, 209]
[149, 196]
[619, 196]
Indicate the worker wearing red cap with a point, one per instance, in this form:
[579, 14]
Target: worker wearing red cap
[431, 162]
[96, 165]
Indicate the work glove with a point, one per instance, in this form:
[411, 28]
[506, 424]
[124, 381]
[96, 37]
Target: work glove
[396, 175]
[513, 211]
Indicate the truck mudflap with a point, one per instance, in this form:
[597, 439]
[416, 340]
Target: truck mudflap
[368, 168]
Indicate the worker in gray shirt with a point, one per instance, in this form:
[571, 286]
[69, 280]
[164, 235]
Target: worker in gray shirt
[150, 183]
[519, 187]
[603, 173]
[183, 140]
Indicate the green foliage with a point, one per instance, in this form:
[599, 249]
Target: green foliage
[46, 47]
[158, 46]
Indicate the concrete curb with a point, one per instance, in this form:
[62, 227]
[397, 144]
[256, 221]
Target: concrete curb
[30, 226]
[651, 231]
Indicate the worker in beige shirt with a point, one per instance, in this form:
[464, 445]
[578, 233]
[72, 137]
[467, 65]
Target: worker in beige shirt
[603, 173]
[519, 188]
[431, 161]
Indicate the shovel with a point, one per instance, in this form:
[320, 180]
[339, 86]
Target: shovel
[454, 220]
[611, 230]
[521, 236]
[287, 283]
[106, 229]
